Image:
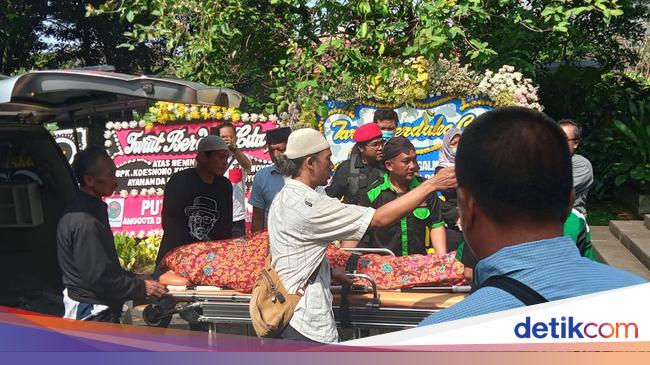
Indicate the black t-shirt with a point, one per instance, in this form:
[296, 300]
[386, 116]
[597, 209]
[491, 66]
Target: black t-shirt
[194, 211]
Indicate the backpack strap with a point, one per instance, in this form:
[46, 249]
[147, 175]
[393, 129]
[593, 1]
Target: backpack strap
[354, 176]
[516, 288]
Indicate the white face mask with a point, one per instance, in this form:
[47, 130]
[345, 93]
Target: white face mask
[453, 150]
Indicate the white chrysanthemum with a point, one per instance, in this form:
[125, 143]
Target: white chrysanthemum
[134, 192]
[108, 143]
[284, 115]
[151, 191]
[160, 191]
[117, 126]
[227, 116]
[245, 117]
[125, 125]
[133, 124]
[262, 118]
[254, 117]
[109, 125]
[124, 193]
[273, 118]
[141, 234]
[107, 134]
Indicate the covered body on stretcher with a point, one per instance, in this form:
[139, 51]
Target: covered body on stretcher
[211, 281]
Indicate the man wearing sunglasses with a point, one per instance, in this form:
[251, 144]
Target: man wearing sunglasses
[364, 167]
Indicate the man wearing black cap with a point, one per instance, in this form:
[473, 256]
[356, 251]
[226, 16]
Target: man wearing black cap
[198, 201]
[362, 169]
[416, 232]
[269, 181]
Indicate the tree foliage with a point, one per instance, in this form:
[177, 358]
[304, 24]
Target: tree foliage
[304, 50]
[20, 25]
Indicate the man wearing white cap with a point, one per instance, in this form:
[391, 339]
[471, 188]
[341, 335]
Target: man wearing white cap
[303, 222]
[198, 201]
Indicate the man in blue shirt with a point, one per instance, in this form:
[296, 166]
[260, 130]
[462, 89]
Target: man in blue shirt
[515, 191]
[268, 181]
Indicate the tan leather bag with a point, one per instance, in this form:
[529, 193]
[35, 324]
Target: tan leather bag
[271, 307]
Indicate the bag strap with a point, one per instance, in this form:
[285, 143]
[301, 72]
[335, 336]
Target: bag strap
[310, 280]
[516, 288]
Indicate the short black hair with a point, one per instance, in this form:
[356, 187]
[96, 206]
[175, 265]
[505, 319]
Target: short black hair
[384, 114]
[225, 125]
[397, 145]
[578, 129]
[85, 162]
[516, 163]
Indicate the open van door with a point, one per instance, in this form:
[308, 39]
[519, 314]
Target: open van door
[36, 181]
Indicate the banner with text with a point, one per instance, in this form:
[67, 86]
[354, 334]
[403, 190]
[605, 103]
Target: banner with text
[145, 160]
[425, 124]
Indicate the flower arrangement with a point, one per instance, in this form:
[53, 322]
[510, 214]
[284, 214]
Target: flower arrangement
[507, 87]
[409, 81]
[164, 112]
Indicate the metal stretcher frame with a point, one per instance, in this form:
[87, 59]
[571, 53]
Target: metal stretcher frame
[367, 310]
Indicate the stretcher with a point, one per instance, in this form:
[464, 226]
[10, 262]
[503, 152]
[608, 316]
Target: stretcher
[368, 308]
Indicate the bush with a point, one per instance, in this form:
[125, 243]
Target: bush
[137, 254]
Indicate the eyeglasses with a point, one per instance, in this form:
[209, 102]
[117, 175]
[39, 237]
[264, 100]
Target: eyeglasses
[376, 144]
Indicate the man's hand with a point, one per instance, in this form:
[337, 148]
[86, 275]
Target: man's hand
[154, 288]
[444, 179]
[339, 276]
[231, 144]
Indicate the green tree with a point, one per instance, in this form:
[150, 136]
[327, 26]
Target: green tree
[21, 23]
[299, 52]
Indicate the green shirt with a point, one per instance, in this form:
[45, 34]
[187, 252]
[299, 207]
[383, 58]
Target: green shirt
[411, 234]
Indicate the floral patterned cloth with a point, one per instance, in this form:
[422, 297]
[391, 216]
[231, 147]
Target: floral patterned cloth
[237, 263]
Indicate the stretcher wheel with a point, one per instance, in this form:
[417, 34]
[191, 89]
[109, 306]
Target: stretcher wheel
[153, 317]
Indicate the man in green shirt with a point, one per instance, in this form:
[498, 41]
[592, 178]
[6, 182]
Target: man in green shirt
[419, 231]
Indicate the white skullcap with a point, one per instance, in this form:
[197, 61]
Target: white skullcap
[305, 142]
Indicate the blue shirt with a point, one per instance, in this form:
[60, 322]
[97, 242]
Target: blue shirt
[553, 268]
[266, 185]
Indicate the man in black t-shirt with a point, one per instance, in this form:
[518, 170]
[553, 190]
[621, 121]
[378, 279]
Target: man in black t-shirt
[198, 201]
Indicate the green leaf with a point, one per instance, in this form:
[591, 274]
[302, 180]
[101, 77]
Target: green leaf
[616, 12]
[409, 50]
[620, 180]
[382, 48]
[156, 13]
[130, 16]
[363, 30]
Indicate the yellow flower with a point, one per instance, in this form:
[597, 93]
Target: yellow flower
[423, 77]
[194, 114]
[236, 117]
[218, 115]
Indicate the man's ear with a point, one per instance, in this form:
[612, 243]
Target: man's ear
[466, 207]
[572, 200]
[88, 181]
[389, 165]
